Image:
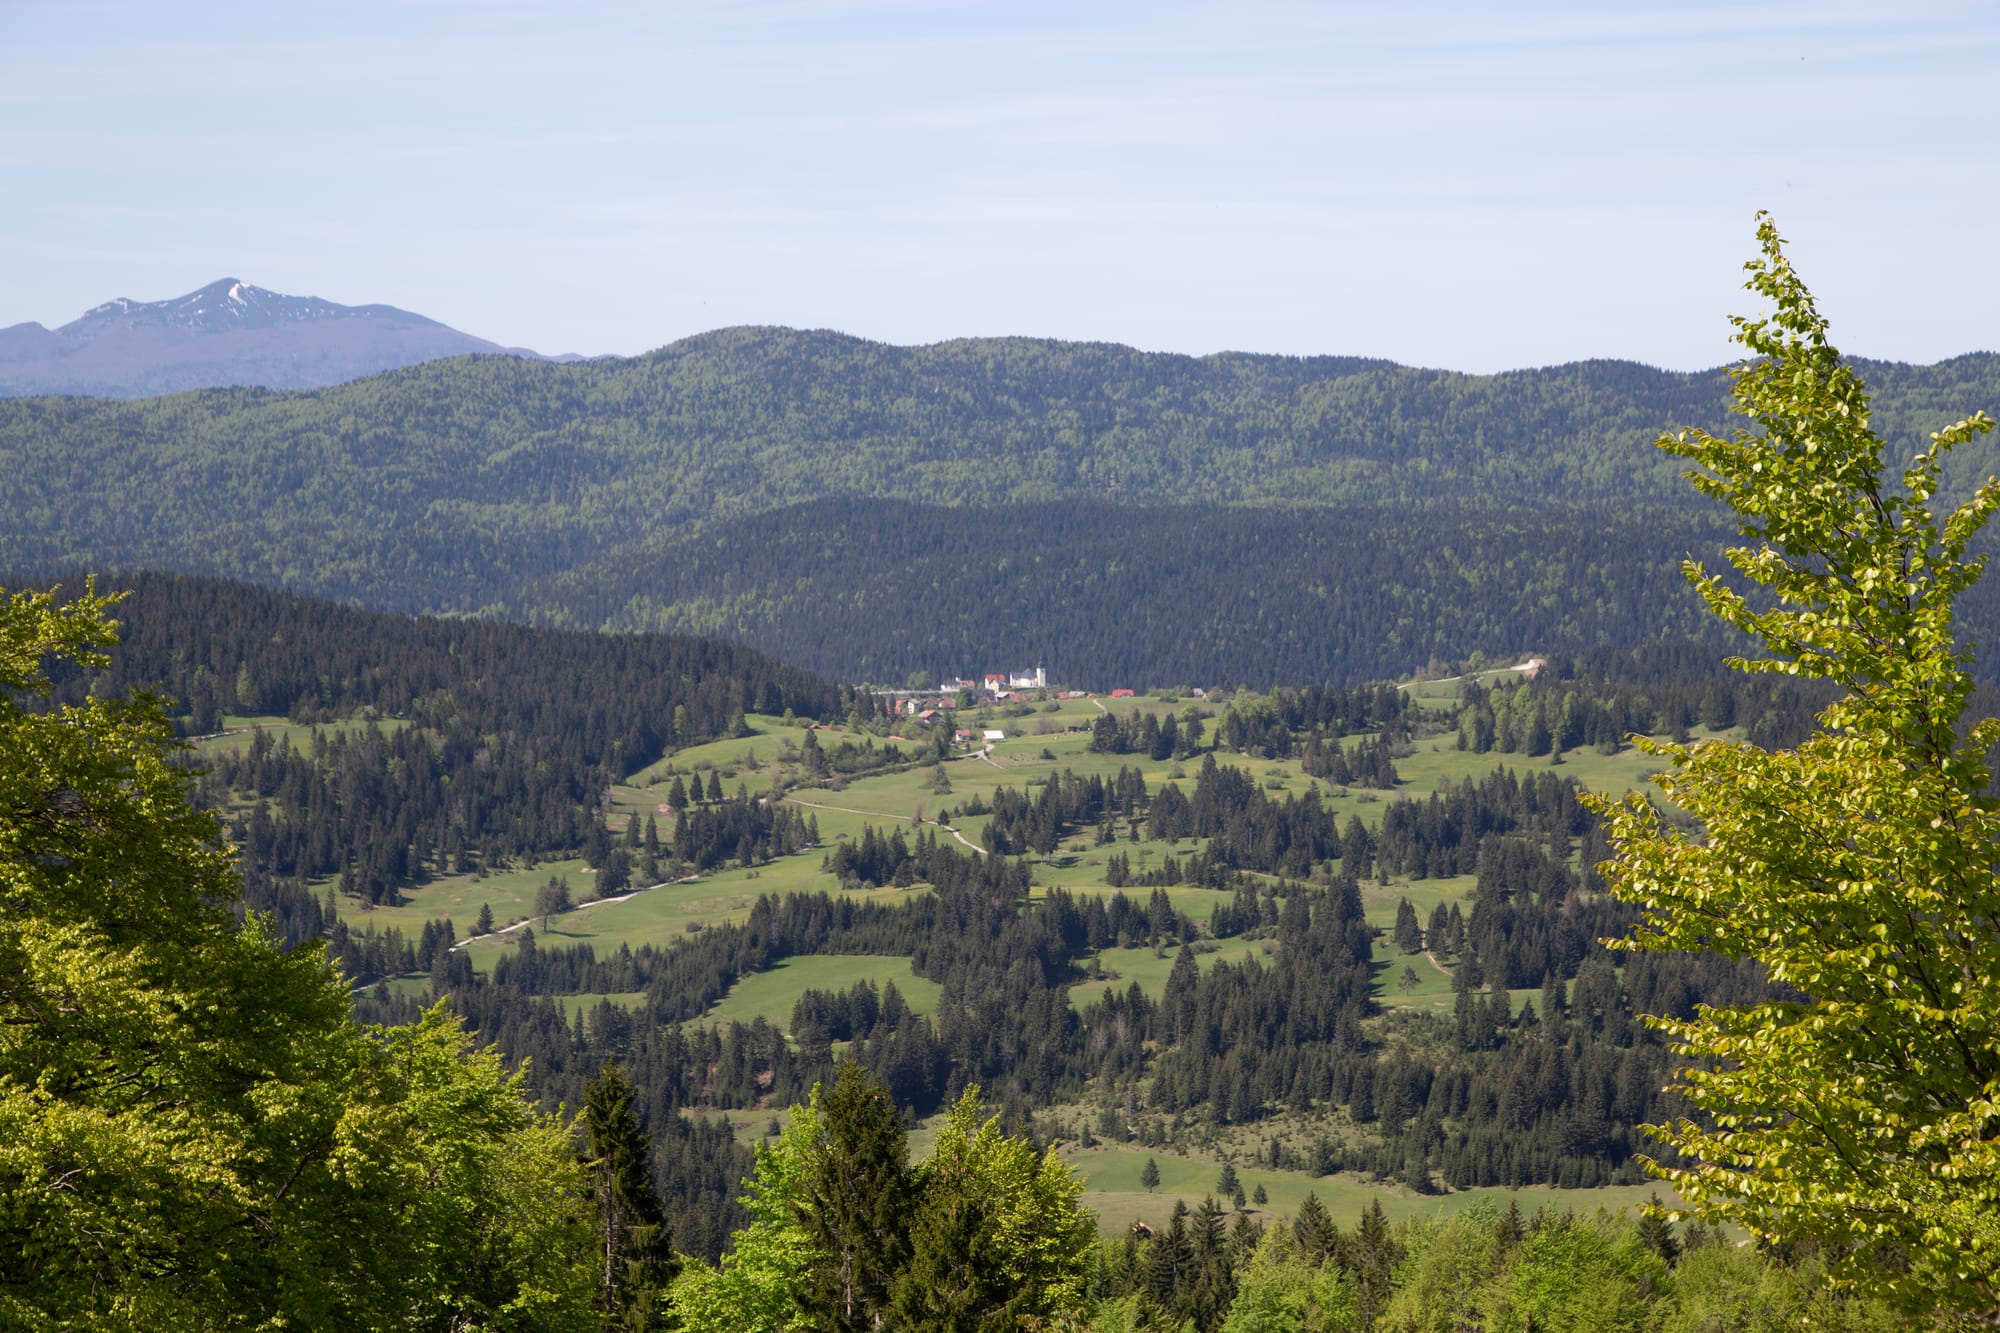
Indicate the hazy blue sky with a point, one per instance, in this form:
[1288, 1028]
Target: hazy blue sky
[1474, 186]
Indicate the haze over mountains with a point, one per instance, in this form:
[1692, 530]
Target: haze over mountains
[227, 333]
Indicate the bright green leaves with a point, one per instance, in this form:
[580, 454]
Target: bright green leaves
[1857, 1107]
[984, 1233]
[193, 1131]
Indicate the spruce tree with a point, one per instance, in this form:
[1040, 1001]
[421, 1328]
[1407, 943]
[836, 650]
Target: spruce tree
[638, 1251]
[1375, 1254]
[1657, 1232]
[1314, 1231]
[1408, 934]
[857, 1205]
[1170, 1262]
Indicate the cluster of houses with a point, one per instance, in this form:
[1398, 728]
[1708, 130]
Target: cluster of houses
[927, 706]
[1000, 684]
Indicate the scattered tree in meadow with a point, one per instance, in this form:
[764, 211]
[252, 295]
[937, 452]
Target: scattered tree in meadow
[1409, 936]
[552, 898]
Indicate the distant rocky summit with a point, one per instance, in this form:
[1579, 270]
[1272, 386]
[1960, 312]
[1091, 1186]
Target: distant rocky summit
[227, 333]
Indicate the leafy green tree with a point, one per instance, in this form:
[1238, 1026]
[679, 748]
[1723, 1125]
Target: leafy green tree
[1448, 1261]
[759, 1286]
[999, 1235]
[1149, 1175]
[193, 1132]
[1572, 1272]
[638, 1249]
[1737, 1287]
[1858, 1107]
[552, 898]
[1281, 1289]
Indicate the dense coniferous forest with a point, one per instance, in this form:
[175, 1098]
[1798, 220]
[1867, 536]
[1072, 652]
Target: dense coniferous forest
[215, 646]
[1113, 595]
[453, 484]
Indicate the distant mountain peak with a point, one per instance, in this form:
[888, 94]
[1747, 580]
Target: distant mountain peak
[231, 303]
[229, 332]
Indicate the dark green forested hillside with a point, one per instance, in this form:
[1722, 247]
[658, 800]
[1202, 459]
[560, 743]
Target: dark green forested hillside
[446, 485]
[1111, 595]
[512, 733]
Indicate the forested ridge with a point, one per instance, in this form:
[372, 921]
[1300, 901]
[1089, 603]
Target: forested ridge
[448, 485]
[1126, 595]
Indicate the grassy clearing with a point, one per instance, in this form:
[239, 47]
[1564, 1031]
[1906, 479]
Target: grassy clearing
[584, 1002]
[1140, 965]
[510, 893]
[238, 733]
[671, 912]
[772, 995]
[1112, 1191]
[1379, 901]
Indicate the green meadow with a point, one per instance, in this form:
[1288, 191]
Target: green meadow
[1112, 1190]
[772, 995]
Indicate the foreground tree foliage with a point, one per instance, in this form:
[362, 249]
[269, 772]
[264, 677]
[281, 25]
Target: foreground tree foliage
[638, 1250]
[984, 1234]
[1856, 1110]
[193, 1131]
